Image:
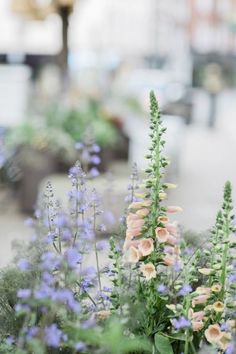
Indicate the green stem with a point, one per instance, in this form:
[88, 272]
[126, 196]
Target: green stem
[76, 213]
[186, 345]
[224, 259]
[96, 250]
[193, 348]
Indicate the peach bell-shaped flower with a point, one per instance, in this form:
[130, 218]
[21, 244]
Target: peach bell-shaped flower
[173, 209]
[170, 260]
[197, 326]
[162, 195]
[201, 290]
[213, 334]
[216, 288]
[171, 240]
[140, 205]
[133, 255]
[200, 299]
[218, 306]
[146, 246]
[163, 219]
[132, 217]
[135, 224]
[224, 340]
[172, 228]
[131, 233]
[103, 314]
[196, 316]
[162, 234]
[148, 270]
[142, 212]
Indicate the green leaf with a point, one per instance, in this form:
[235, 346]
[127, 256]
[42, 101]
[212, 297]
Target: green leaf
[162, 344]
[176, 336]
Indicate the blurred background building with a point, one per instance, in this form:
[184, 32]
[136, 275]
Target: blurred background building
[75, 71]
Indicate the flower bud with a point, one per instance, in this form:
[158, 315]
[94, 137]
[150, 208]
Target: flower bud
[218, 247]
[206, 252]
[205, 271]
[217, 266]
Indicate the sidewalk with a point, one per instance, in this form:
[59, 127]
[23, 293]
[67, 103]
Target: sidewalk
[208, 161]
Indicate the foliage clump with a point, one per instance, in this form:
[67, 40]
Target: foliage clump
[157, 294]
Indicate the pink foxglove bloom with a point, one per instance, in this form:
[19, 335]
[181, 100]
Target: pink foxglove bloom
[148, 270]
[225, 341]
[213, 333]
[146, 246]
[172, 229]
[197, 316]
[103, 314]
[216, 288]
[162, 234]
[133, 255]
[171, 240]
[134, 224]
[140, 205]
[218, 306]
[200, 299]
[173, 209]
[201, 290]
[128, 244]
[132, 217]
[162, 195]
[163, 219]
[197, 325]
[142, 212]
[131, 233]
[169, 260]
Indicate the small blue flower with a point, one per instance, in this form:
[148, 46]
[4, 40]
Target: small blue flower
[60, 220]
[232, 278]
[180, 323]
[96, 148]
[22, 308]
[52, 335]
[24, 293]
[49, 261]
[9, 340]
[80, 346]
[23, 264]
[89, 323]
[102, 245]
[162, 289]
[32, 332]
[44, 291]
[73, 257]
[95, 159]
[94, 172]
[231, 348]
[185, 290]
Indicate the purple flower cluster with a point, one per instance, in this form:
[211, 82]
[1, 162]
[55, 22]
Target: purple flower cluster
[89, 158]
[162, 289]
[181, 323]
[53, 336]
[185, 290]
[64, 282]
